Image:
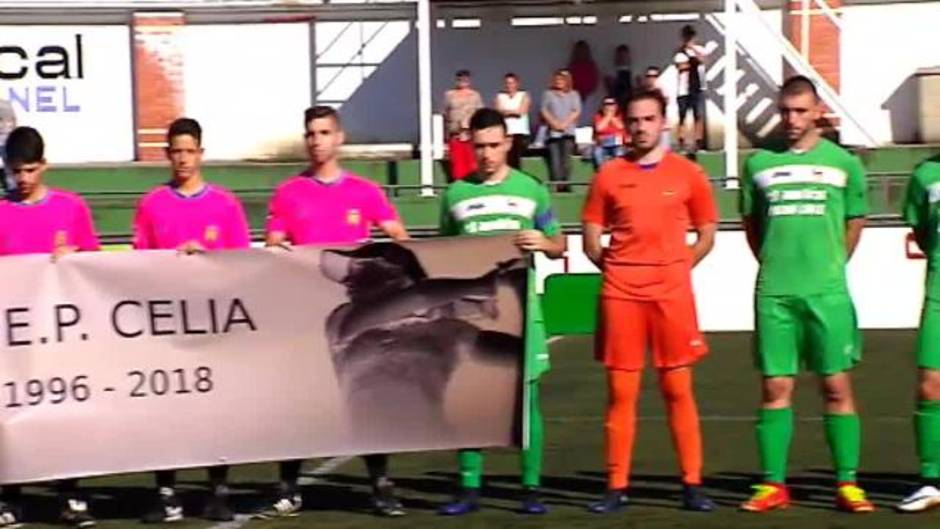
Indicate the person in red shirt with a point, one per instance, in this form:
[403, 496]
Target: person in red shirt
[648, 200]
[610, 132]
[584, 72]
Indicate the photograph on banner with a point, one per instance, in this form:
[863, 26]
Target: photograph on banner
[257, 355]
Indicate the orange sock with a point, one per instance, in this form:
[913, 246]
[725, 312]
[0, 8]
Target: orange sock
[620, 428]
[676, 387]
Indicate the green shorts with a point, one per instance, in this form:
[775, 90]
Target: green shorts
[928, 338]
[819, 332]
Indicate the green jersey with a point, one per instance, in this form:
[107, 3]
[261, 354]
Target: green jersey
[922, 212]
[799, 202]
[519, 202]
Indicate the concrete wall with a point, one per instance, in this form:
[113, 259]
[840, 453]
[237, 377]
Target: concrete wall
[882, 47]
[886, 279]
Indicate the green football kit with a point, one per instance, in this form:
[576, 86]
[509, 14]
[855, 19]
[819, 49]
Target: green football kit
[799, 203]
[922, 213]
[519, 202]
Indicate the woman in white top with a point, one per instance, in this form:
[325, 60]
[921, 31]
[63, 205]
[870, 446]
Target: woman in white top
[513, 104]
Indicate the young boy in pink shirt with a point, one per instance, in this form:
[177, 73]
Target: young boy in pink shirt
[328, 205]
[37, 219]
[190, 215]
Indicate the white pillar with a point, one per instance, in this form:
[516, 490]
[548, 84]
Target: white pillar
[731, 91]
[424, 96]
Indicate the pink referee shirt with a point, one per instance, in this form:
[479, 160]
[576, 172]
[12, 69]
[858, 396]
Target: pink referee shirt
[167, 219]
[61, 218]
[309, 211]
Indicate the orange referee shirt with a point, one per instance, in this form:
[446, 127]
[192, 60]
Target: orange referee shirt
[649, 210]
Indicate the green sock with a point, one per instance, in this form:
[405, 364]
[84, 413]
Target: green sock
[927, 429]
[471, 468]
[774, 433]
[531, 457]
[844, 435]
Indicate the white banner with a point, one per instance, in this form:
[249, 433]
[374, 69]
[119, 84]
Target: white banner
[131, 361]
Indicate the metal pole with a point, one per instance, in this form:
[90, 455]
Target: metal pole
[424, 97]
[731, 92]
[804, 29]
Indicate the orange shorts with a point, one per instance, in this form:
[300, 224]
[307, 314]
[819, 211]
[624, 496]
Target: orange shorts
[669, 327]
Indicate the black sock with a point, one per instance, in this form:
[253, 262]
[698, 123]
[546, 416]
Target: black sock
[12, 493]
[67, 488]
[290, 474]
[166, 479]
[377, 466]
[218, 480]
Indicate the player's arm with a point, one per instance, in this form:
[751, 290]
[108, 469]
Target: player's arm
[752, 232]
[239, 233]
[704, 241]
[394, 229]
[748, 206]
[856, 204]
[553, 246]
[591, 243]
[915, 212]
[142, 229]
[853, 233]
[547, 236]
[383, 214]
[86, 239]
[275, 232]
[594, 220]
[703, 213]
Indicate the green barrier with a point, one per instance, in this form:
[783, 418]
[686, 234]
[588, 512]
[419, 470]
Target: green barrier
[570, 303]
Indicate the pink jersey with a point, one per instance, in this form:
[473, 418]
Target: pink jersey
[214, 218]
[308, 211]
[61, 218]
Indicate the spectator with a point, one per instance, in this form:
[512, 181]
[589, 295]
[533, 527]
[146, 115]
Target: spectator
[650, 82]
[690, 61]
[620, 84]
[583, 70]
[7, 124]
[561, 108]
[460, 103]
[514, 104]
[609, 132]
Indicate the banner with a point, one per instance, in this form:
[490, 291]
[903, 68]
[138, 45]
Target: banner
[131, 361]
[73, 84]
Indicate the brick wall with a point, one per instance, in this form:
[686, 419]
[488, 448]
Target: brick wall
[158, 79]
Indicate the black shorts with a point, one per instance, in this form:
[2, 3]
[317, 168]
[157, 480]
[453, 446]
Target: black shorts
[695, 102]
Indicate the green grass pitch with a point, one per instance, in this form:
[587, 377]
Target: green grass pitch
[573, 399]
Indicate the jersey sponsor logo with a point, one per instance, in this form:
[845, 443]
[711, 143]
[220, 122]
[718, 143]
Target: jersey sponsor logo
[787, 210]
[353, 217]
[800, 174]
[776, 195]
[933, 193]
[505, 205]
[485, 226]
